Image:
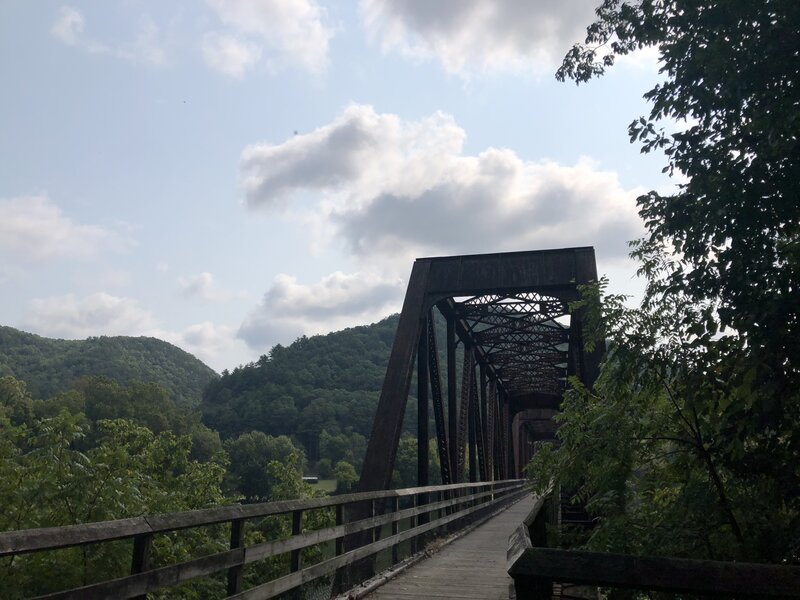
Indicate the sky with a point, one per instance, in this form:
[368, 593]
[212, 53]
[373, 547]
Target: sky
[232, 174]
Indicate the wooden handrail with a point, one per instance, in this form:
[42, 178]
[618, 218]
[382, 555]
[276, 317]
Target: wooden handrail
[535, 567]
[52, 538]
[460, 501]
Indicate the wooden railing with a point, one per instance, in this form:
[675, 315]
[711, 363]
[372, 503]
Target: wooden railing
[427, 509]
[535, 568]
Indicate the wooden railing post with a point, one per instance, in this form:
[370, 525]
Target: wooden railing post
[237, 541]
[294, 557]
[412, 524]
[140, 562]
[376, 531]
[532, 565]
[340, 520]
[395, 528]
[297, 526]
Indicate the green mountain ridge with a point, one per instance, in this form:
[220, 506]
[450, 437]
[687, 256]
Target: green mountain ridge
[49, 366]
[321, 383]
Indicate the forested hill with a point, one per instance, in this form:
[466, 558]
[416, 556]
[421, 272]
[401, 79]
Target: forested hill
[326, 382]
[49, 366]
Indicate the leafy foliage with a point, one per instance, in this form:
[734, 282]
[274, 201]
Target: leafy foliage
[50, 480]
[146, 404]
[731, 71]
[286, 476]
[346, 477]
[327, 383]
[50, 366]
[664, 453]
[687, 443]
[251, 455]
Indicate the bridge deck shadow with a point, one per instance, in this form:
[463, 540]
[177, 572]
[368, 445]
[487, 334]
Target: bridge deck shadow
[473, 566]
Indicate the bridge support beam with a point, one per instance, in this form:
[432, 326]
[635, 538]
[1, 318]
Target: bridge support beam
[506, 310]
[506, 315]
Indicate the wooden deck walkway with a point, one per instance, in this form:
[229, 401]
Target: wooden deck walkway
[473, 566]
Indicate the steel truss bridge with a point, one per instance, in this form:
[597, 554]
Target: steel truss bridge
[492, 340]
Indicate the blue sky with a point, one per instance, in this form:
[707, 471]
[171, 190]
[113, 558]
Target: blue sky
[231, 175]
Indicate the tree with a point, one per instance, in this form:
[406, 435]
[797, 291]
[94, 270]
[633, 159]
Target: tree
[731, 74]
[686, 443]
[348, 446]
[346, 477]
[46, 481]
[15, 400]
[288, 484]
[405, 463]
[250, 455]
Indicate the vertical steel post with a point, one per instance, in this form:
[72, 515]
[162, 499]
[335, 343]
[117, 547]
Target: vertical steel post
[472, 433]
[442, 446]
[452, 408]
[486, 475]
[508, 435]
[422, 405]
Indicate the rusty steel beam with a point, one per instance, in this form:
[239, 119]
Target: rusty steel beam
[445, 462]
[422, 406]
[452, 401]
[504, 307]
[376, 473]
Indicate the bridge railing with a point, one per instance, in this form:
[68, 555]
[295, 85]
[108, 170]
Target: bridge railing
[404, 515]
[535, 568]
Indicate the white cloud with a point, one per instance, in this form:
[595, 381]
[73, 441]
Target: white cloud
[373, 151]
[146, 47]
[32, 229]
[293, 29]
[290, 309]
[204, 287]
[97, 314]
[69, 26]
[197, 286]
[229, 55]
[392, 190]
[211, 343]
[101, 313]
[480, 35]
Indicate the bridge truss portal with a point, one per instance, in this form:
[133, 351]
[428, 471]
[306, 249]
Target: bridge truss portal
[509, 325]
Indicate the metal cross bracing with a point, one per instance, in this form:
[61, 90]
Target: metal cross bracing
[521, 337]
[508, 321]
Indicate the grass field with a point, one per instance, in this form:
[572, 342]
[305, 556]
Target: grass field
[326, 485]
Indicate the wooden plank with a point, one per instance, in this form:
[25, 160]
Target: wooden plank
[473, 566]
[518, 543]
[311, 538]
[211, 516]
[149, 581]
[235, 574]
[139, 584]
[291, 581]
[538, 504]
[659, 574]
[52, 538]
